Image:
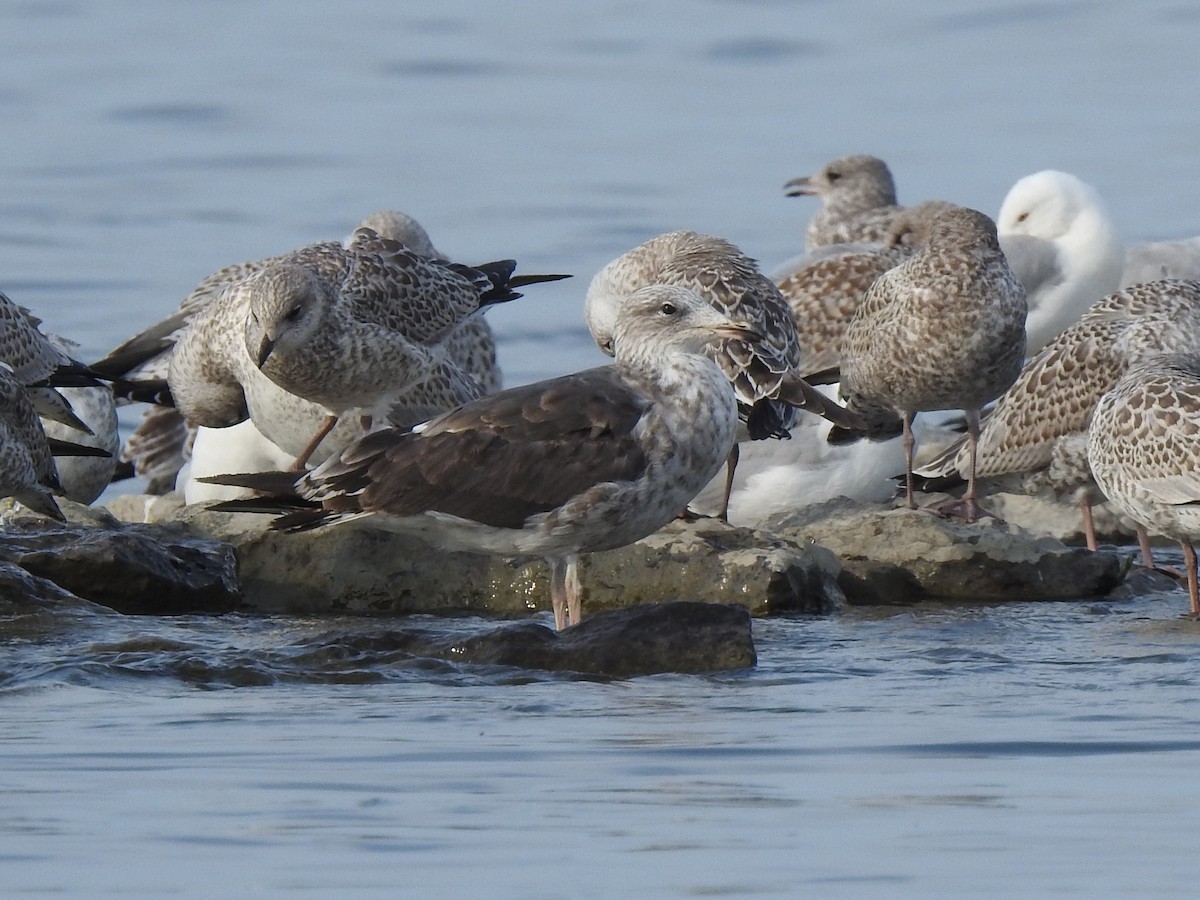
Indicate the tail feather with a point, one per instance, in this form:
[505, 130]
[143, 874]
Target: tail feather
[59, 447]
[278, 485]
[155, 391]
[799, 393]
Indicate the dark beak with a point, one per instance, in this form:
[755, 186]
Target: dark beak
[800, 187]
[740, 332]
[264, 351]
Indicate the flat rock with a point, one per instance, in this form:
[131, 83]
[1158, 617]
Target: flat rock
[897, 555]
[348, 569]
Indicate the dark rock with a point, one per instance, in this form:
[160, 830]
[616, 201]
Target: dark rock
[683, 637]
[141, 569]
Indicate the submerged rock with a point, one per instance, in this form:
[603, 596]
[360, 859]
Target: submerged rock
[685, 637]
[362, 570]
[905, 556]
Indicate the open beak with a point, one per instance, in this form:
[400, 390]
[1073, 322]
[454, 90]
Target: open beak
[800, 187]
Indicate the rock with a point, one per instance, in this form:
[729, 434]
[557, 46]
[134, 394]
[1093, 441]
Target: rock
[348, 569]
[140, 569]
[904, 556]
[683, 637]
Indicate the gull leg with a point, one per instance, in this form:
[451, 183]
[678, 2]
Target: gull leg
[574, 591]
[730, 467]
[909, 441]
[968, 508]
[1089, 525]
[1189, 561]
[562, 572]
[311, 447]
[1144, 544]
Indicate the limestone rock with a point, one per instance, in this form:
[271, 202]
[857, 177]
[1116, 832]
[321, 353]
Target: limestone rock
[349, 569]
[904, 556]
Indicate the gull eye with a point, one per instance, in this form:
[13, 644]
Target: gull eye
[1022, 217]
[292, 314]
[833, 176]
[668, 309]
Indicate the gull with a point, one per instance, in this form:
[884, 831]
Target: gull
[858, 201]
[162, 442]
[1058, 238]
[1038, 427]
[764, 372]
[946, 329]
[1144, 451]
[26, 466]
[581, 463]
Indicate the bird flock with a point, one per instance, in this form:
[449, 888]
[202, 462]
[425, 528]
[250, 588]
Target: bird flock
[356, 381]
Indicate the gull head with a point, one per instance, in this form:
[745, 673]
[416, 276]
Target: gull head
[668, 318]
[864, 177]
[285, 309]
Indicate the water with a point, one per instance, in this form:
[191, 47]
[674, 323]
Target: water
[1031, 749]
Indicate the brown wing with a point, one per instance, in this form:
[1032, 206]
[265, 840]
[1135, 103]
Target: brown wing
[500, 459]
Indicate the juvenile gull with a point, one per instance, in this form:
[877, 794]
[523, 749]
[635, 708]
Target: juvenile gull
[764, 373]
[162, 442]
[858, 201]
[1144, 451]
[1038, 427]
[823, 289]
[944, 330]
[585, 462]
[347, 328]
[1058, 238]
[26, 466]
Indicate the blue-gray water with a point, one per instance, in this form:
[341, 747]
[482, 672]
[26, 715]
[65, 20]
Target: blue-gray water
[1009, 750]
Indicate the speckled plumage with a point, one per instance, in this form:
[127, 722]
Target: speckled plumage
[162, 442]
[585, 462]
[823, 289]
[345, 328]
[944, 330]
[26, 466]
[1144, 450]
[858, 201]
[729, 281]
[1054, 396]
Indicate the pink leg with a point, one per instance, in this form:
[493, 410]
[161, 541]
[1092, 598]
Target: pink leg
[1189, 561]
[311, 447]
[566, 595]
[1144, 544]
[1089, 526]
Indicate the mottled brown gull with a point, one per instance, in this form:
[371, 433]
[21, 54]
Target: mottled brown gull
[585, 462]
[764, 373]
[944, 330]
[823, 289]
[1144, 451]
[858, 201]
[1038, 426]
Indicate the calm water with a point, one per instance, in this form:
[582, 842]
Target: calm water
[1026, 749]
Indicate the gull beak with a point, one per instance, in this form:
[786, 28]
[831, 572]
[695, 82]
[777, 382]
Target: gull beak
[739, 332]
[800, 187]
[264, 351]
